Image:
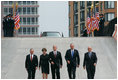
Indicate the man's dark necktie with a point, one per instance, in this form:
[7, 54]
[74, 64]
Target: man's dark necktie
[31, 58]
[55, 54]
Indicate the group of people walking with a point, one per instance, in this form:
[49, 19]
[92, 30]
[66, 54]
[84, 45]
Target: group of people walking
[55, 59]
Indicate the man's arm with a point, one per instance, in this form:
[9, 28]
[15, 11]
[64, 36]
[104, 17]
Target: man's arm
[78, 58]
[36, 62]
[26, 62]
[50, 58]
[40, 62]
[61, 60]
[66, 56]
[84, 61]
[95, 59]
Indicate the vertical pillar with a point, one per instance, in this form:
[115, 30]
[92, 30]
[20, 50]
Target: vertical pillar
[78, 18]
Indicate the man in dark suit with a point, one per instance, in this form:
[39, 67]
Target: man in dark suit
[31, 64]
[101, 25]
[56, 62]
[73, 61]
[5, 26]
[90, 60]
[12, 25]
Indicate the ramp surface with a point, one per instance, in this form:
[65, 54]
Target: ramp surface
[14, 51]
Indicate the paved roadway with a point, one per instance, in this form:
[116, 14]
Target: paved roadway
[14, 51]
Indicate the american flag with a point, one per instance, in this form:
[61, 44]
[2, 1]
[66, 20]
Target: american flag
[88, 25]
[17, 20]
[95, 22]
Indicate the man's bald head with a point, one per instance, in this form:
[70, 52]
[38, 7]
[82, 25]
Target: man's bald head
[54, 47]
[72, 46]
[89, 49]
[31, 51]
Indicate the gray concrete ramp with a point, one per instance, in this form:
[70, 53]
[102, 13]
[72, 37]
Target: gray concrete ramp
[14, 51]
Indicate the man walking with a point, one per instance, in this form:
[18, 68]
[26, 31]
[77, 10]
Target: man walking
[90, 60]
[31, 64]
[73, 61]
[56, 62]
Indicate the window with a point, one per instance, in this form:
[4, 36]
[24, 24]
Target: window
[109, 16]
[24, 20]
[36, 30]
[36, 20]
[10, 2]
[24, 30]
[5, 10]
[75, 19]
[19, 2]
[33, 30]
[24, 10]
[33, 2]
[28, 20]
[81, 27]
[24, 2]
[32, 20]
[109, 4]
[36, 10]
[82, 16]
[28, 30]
[89, 3]
[75, 31]
[20, 10]
[5, 2]
[28, 2]
[82, 5]
[10, 10]
[33, 10]
[75, 6]
[28, 10]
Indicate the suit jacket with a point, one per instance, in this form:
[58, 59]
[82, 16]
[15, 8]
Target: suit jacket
[89, 62]
[31, 64]
[73, 60]
[57, 60]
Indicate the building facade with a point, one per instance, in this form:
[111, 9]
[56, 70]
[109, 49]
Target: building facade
[29, 17]
[79, 10]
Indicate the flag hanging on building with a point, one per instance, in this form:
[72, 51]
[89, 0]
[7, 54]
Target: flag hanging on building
[88, 25]
[17, 19]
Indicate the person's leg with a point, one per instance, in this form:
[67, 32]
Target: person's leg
[29, 73]
[33, 73]
[74, 72]
[58, 72]
[93, 72]
[46, 76]
[88, 73]
[43, 75]
[69, 72]
[53, 71]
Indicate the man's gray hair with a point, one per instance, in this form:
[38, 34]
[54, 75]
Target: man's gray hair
[31, 49]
